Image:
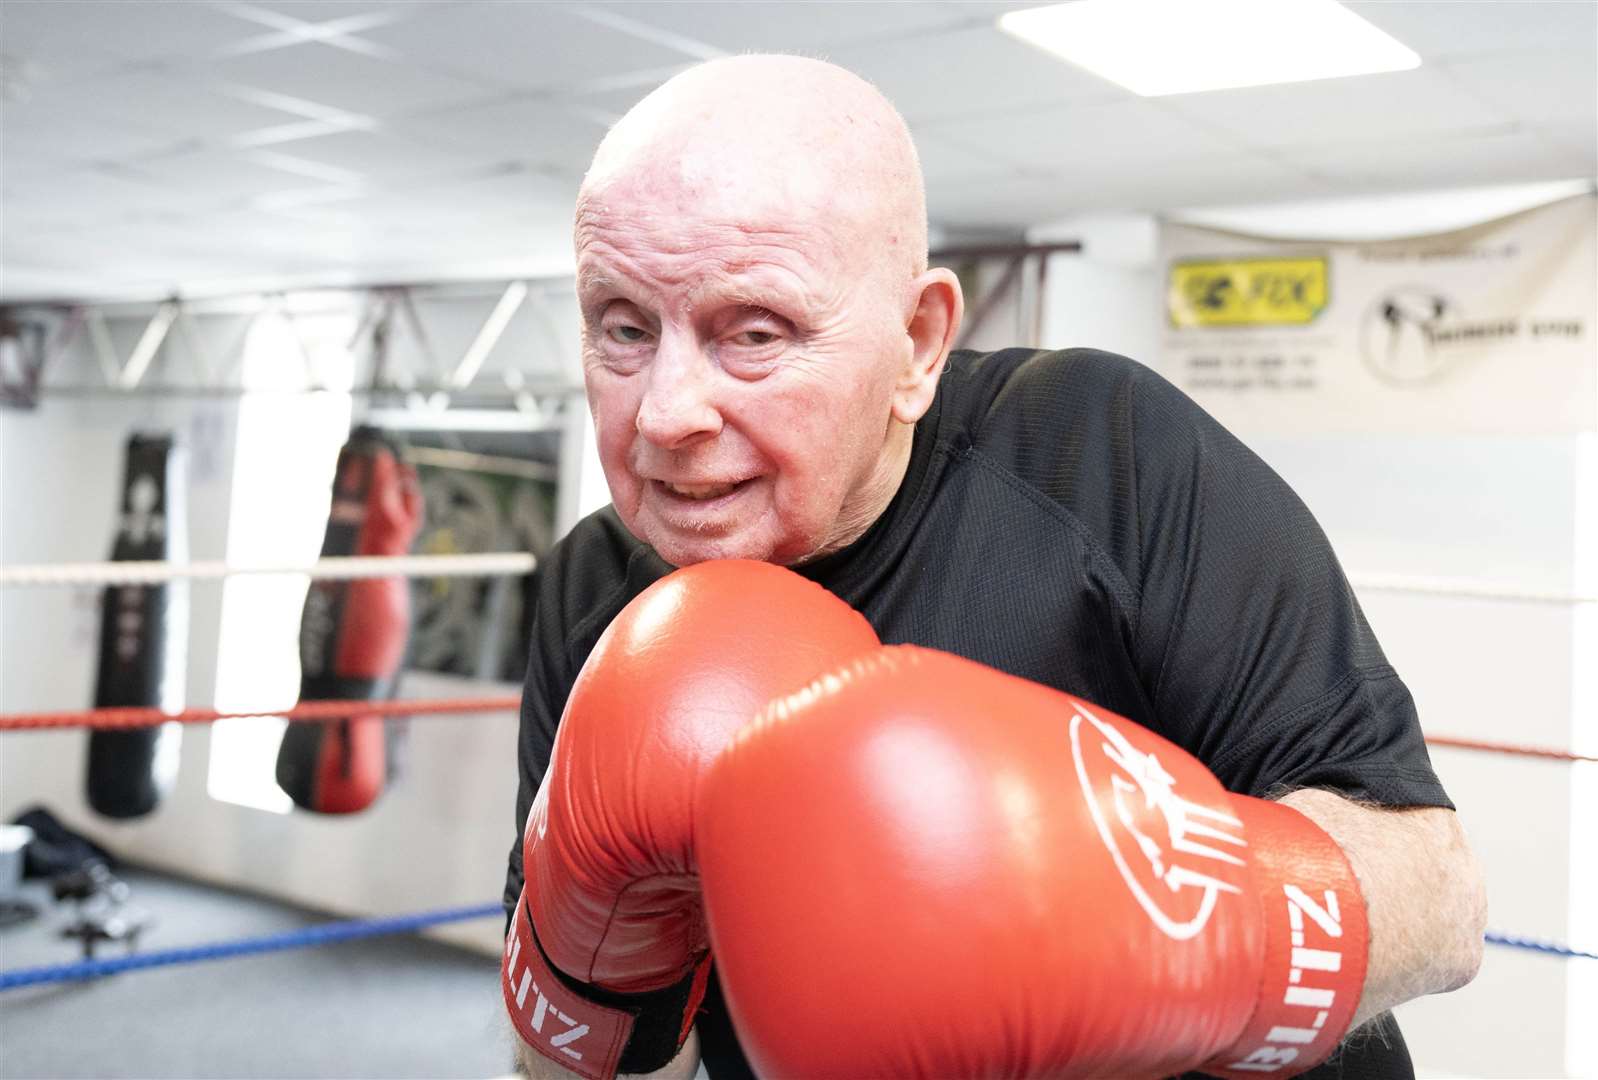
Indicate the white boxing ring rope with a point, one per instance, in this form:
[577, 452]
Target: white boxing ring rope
[518, 563]
[515, 563]
[342, 567]
[1465, 589]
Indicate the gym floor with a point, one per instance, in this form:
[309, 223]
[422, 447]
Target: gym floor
[397, 1006]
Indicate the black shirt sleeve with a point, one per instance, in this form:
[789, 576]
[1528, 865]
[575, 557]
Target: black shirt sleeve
[543, 698]
[1249, 638]
[587, 578]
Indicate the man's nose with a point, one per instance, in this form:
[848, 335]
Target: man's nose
[679, 405]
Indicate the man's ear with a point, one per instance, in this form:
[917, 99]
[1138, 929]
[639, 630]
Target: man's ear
[934, 321]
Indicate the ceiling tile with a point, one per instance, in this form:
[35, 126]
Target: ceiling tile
[43, 136]
[1398, 104]
[490, 115]
[530, 193]
[345, 80]
[270, 138]
[1128, 134]
[338, 215]
[270, 239]
[151, 30]
[45, 248]
[987, 10]
[1008, 203]
[27, 72]
[380, 158]
[488, 199]
[521, 128]
[1098, 184]
[489, 232]
[162, 100]
[1441, 29]
[25, 280]
[323, 11]
[309, 194]
[1533, 90]
[132, 243]
[611, 103]
[1503, 156]
[1579, 141]
[85, 195]
[521, 45]
[1229, 181]
[218, 177]
[793, 27]
[959, 74]
[942, 160]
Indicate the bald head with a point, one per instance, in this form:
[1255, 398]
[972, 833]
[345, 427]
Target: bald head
[761, 331]
[768, 139]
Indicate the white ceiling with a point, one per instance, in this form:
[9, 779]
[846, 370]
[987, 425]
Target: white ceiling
[152, 146]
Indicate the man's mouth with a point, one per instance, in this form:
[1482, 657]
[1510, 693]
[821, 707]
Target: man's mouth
[701, 492]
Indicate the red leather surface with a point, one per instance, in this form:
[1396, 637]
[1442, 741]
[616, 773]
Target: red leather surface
[608, 856]
[925, 867]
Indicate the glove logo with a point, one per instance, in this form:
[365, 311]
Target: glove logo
[542, 1009]
[1161, 843]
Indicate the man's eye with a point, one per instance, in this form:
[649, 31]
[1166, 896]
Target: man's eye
[627, 335]
[755, 338]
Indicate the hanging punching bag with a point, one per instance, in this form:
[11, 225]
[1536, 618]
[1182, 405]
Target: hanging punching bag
[143, 636]
[353, 634]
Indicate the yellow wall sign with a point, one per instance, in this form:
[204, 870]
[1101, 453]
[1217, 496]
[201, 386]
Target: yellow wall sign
[1246, 292]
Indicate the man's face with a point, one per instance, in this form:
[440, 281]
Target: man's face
[740, 378]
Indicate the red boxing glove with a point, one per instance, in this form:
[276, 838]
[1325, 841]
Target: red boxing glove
[920, 866]
[608, 954]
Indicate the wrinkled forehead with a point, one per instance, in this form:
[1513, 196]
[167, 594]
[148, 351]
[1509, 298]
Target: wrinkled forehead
[664, 192]
[681, 224]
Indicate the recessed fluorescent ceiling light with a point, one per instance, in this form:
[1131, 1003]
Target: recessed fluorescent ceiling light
[1156, 47]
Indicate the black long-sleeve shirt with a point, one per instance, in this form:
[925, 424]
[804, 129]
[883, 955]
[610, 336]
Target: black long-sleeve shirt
[1072, 518]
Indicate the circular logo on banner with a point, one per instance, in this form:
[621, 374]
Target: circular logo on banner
[1167, 848]
[1398, 336]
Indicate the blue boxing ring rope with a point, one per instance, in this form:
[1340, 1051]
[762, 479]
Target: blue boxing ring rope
[1552, 948]
[354, 929]
[309, 937]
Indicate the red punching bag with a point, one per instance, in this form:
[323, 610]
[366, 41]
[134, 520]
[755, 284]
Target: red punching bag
[353, 634]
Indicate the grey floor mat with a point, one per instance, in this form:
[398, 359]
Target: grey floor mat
[394, 1006]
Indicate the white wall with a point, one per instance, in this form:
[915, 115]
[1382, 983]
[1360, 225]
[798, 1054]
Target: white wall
[1107, 296]
[1503, 510]
[62, 485]
[1498, 510]
[439, 837]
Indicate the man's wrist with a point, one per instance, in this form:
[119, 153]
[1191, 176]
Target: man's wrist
[586, 1029]
[1316, 941]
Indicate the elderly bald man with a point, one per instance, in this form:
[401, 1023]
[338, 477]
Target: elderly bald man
[767, 360]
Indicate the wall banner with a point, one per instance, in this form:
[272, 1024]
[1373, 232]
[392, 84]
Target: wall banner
[1486, 330]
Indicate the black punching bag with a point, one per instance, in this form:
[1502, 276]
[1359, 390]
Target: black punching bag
[143, 637]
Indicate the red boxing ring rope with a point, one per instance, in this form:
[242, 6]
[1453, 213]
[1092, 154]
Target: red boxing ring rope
[1508, 748]
[123, 719]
